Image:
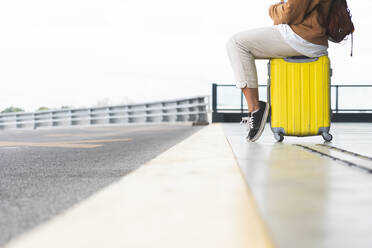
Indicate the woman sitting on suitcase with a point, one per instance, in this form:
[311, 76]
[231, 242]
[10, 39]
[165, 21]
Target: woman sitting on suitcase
[299, 29]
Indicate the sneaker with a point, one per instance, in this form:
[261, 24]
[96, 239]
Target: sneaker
[257, 121]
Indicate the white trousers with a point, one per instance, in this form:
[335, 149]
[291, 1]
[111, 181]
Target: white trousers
[245, 47]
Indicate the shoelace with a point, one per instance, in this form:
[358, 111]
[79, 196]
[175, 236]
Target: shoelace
[248, 120]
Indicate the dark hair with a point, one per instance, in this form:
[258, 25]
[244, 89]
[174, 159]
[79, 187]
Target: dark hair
[339, 21]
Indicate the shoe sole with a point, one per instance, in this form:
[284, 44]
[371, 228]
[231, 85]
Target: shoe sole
[263, 123]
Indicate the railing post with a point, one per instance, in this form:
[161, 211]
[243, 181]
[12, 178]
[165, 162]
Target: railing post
[70, 117]
[197, 116]
[163, 118]
[52, 114]
[214, 97]
[241, 101]
[336, 98]
[90, 119]
[18, 121]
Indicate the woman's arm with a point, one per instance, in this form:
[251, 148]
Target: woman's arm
[291, 12]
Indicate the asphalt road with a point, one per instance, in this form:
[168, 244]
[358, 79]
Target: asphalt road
[44, 172]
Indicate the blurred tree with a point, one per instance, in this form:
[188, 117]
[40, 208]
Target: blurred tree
[43, 108]
[12, 109]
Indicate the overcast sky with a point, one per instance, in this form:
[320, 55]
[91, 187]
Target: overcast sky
[80, 52]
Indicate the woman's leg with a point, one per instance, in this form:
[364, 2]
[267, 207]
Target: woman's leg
[243, 48]
[251, 96]
[246, 46]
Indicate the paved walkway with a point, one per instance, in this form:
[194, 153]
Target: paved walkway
[309, 193]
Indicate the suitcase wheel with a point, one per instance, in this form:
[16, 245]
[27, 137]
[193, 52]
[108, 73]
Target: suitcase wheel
[279, 137]
[327, 137]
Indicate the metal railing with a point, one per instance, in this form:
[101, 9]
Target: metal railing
[336, 109]
[193, 110]
[348, 102]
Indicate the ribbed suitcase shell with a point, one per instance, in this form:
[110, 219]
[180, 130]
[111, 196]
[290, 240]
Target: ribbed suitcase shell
[299, 93]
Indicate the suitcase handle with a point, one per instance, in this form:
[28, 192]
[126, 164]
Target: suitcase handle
[300, 59]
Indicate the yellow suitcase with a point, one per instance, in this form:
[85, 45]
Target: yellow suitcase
[299, 96]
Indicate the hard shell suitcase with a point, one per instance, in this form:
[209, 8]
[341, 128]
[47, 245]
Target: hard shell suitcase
[299, 96]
